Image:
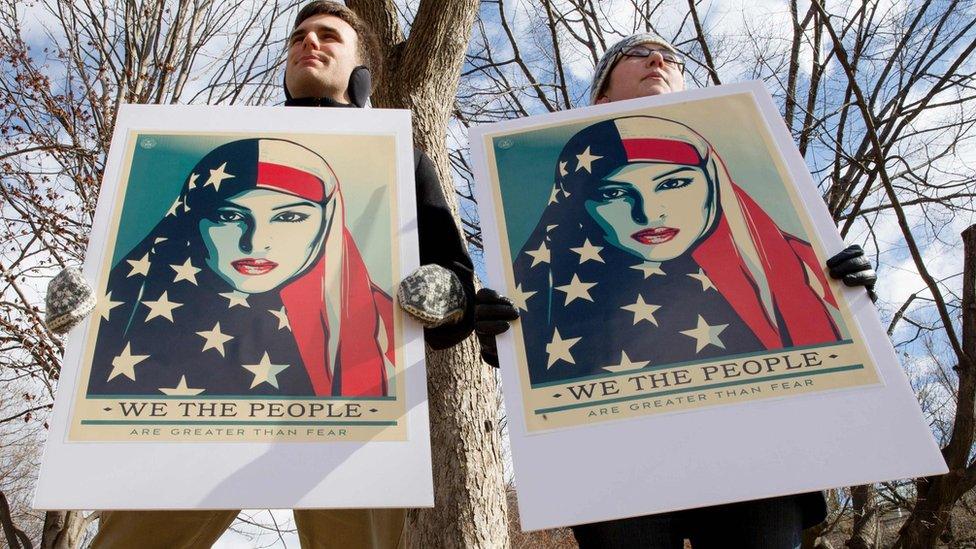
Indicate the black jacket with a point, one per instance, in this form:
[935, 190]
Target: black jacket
[440, 241]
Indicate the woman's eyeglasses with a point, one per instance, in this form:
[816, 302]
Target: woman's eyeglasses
[670, 58]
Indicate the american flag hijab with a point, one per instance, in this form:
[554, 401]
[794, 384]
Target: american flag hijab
[171, 324]
[591, 307]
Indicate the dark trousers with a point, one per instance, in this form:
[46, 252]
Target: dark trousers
[775, 523]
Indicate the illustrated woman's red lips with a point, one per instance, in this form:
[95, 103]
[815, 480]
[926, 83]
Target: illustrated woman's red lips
[656, 235]
[251, 266]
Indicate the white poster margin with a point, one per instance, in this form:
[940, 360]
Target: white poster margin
[827, 440]
[236, 475]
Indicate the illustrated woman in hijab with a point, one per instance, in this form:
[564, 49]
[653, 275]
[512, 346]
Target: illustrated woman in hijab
[649, 254]
[250, 285]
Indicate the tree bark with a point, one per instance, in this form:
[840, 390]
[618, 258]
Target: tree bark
[794, 66]
[422, 74]
[64, 529]
[813, 540]
[865, 528]
[706, 52]
[16, 539]
[937, 495]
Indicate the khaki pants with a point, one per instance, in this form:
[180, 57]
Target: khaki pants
[317, 529]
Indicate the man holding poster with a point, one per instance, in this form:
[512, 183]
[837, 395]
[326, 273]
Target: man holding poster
[257, 232]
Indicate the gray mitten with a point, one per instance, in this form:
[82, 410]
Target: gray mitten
[69, 300]
[433, 295]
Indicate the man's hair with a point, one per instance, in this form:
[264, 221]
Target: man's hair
[369, 48]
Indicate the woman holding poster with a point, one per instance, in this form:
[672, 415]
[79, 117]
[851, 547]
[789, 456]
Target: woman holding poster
[245, 287]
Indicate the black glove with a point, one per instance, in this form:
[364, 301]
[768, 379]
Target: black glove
[492, 315]
[854, 269]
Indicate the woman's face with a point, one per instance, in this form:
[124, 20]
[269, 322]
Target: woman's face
[259, 239]
[653, 210]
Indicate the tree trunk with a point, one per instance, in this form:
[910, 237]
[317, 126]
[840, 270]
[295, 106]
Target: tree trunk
[468, 474]
[422, 74]
[865, 529]
[937, 495]
[64, 529]
[813, 540]
[16, 538]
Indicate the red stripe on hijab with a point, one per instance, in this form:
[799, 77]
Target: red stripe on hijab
[291, 181]
[661, 150]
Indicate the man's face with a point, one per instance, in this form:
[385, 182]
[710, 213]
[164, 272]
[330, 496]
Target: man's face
[634, 77]
[322, 52]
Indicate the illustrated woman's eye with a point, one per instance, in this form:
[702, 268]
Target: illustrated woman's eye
[611, 193]
[674, 183]
[290, 217]
[229, 216]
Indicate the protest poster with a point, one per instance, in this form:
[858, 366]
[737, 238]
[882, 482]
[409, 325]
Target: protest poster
[667, 255]
[246, 349]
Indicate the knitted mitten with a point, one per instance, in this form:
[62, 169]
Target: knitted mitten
[433, 295]
[69, 300]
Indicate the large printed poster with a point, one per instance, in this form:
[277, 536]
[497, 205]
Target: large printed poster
[667, 256]
[245, 284]
[657, 269]
[221, 316]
